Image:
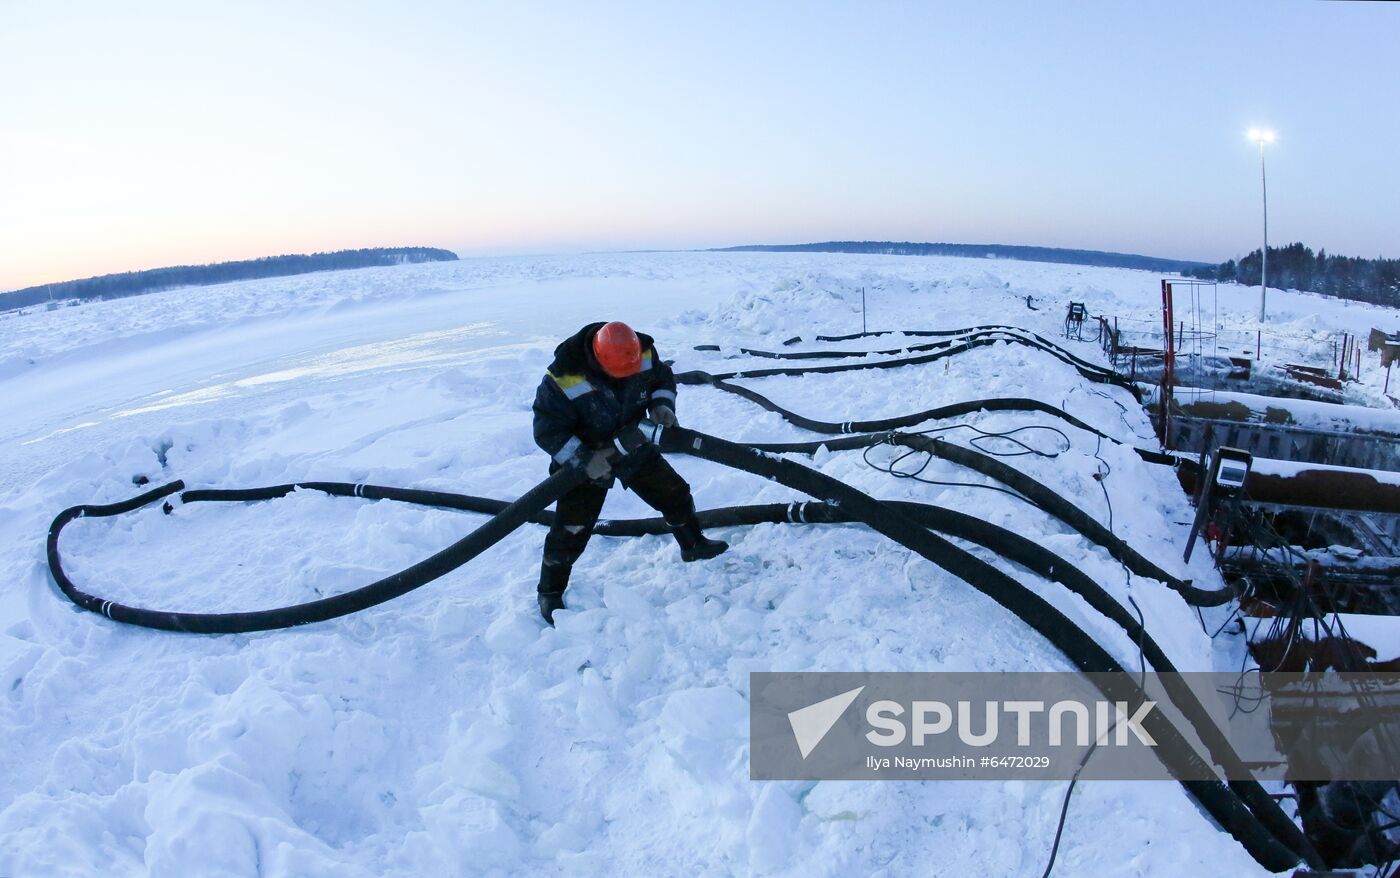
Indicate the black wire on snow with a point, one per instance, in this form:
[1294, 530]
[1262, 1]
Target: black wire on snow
[1029, 488]
[1095, 374]
[1006, 543]
[1032, 490]
[1273, 840]
[488, 534]
[958, 342]
[1241, 807]
[952, 410]
[1041, 341]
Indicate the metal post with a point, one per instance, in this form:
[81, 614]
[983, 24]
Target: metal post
[1203, 503]
[1264, 262]
[1168, 363]
[862, 310]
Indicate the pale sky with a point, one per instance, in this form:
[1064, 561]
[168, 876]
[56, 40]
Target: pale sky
[136, 135]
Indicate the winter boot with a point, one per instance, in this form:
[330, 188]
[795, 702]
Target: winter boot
[554, 578]
[695, 546]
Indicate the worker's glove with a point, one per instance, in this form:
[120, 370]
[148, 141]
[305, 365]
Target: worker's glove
[663, 414]
[631, 441]
[598, 467]
[634, 451]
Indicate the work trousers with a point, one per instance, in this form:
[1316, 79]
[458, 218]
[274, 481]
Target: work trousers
[652, 479]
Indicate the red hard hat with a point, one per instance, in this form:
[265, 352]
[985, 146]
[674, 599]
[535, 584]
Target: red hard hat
[618, 350]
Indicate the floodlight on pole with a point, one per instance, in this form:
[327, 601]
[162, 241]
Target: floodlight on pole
[1263, 136]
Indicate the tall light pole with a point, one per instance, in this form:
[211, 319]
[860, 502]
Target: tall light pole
[1263, 136]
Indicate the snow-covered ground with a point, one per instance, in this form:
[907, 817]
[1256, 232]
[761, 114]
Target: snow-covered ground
[449, 732]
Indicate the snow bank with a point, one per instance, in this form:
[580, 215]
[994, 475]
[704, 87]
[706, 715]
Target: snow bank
[448, 732]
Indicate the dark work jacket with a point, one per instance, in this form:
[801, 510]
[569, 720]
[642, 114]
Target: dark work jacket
[578, 407]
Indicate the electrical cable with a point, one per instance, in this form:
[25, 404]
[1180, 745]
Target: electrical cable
[1089, 371]
[1006, 543]
[1037, 493]
[1101, 476]
[1084, 651]
[982, 435]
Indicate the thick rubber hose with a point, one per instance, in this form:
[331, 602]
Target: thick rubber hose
[1000, 540]
[953, 410]
[920, 333]
[1033, 491]
[1051, 502]
[944, 333]
[1224, 805]
[1007, 333]
[992, 333]
[1090, 373]
[392, 586]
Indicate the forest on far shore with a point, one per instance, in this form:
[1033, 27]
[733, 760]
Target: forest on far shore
[134, 283]
[1295, 267]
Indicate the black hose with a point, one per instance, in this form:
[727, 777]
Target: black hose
[1244, 809]
[953, 410]
[981, 335]
[1033, 490]
[1008, 544]
[919, 333]
[1223, 804]
[1007, 333]
[508, 519]
[973, 332]
[944, 333]
[1089, 372]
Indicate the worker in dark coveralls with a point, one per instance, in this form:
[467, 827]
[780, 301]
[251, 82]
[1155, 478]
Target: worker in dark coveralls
[604, 379]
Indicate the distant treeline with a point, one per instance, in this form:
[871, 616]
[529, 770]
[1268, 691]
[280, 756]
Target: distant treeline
[995, 251]
[1296, 268]
[132, 283]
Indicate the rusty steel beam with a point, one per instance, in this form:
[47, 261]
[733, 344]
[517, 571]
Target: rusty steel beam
[1310, 486]
[1323, 487]
[1302, 373]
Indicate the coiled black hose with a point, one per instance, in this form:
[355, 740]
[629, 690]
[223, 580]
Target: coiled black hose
[1040, 340]
[971, 338]
[952, 410]
[1012, 333]
[1095, 375]
[1036, 492]
[1242, 808]
[488, 534]
[1004, 542]
[1274, 841]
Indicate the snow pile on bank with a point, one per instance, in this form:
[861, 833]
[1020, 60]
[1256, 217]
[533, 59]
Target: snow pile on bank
[448, 732]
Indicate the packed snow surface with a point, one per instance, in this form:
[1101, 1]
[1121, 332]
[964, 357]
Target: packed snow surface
[449, 732]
